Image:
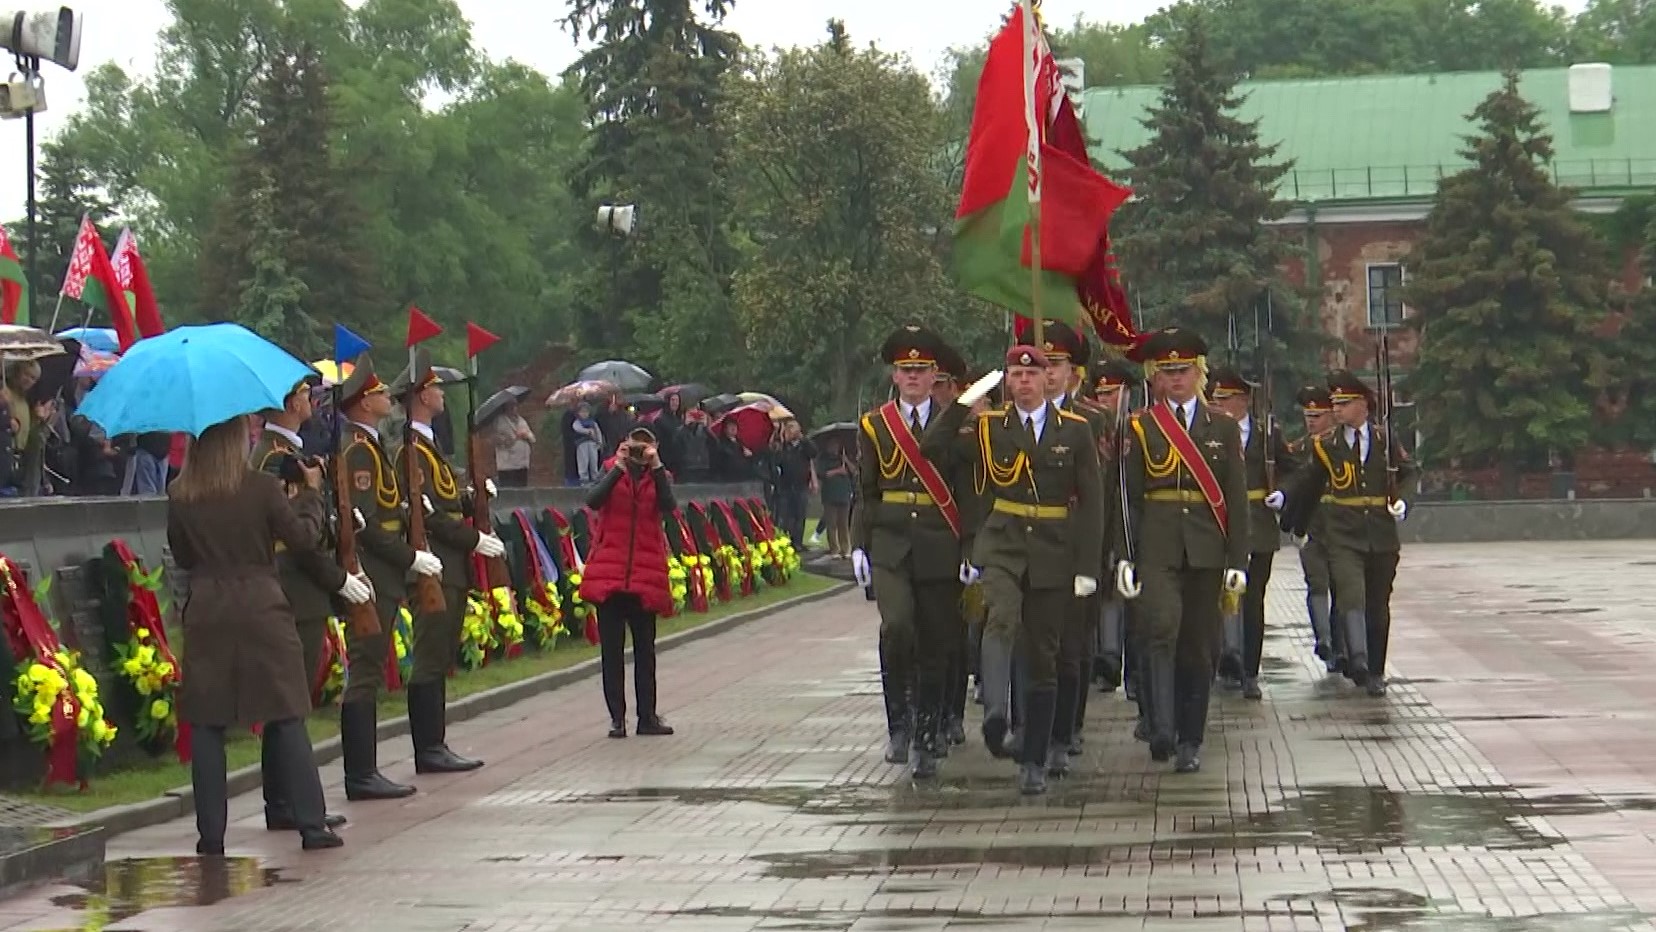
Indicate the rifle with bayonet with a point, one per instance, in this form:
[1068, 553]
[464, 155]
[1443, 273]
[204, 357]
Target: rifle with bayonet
[428, 590]
[1383, 374]
[362, 617]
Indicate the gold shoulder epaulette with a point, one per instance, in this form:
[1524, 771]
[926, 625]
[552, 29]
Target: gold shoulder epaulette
[993, 412]
[1072, 416]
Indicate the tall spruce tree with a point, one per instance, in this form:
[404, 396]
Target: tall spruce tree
[289, 209]
[1507, 285]
[652, 83]
[1195, 243]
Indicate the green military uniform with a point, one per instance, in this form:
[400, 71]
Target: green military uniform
[1348, 477]
[1042, 527]
[436, 634]
[914, 559]
[1181, 551]
[376, 506]
[951, 380]
[1113, 662]
[1313, 553]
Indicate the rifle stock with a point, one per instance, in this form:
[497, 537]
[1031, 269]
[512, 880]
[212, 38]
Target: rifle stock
[362, 618]
[428, 591]
[482, 512]
[1384, 377]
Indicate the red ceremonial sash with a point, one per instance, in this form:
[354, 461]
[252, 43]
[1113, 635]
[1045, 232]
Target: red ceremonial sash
[909, 446]
[1198, 467]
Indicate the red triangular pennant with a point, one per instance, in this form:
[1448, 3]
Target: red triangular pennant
[478, 339]
[420, 327]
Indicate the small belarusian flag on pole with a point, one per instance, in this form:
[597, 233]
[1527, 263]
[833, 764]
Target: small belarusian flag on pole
[133, 275]
[91, 280]
[14, 285]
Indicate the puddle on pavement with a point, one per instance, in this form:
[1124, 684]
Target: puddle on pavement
[135, 885]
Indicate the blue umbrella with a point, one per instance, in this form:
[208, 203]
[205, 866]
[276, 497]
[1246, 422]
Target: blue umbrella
[190, 378]
[102, 339]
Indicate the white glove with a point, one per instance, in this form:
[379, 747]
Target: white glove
[969, 574]
[356, 589]
[426, 563]
[356, 516]
[426, 500]
[1298, 541]
[1399, 509]
[1236, 581]
[1085, 586]
[490, 486]
[489, 546]
[1275, 500]
[860, 568]
[1127, 584]
[980, 388]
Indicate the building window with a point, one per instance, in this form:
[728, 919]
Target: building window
[1385, 295]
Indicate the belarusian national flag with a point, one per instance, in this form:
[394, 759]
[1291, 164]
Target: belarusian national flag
[14, 286]
[992, 249]
[131, 272]
[91, 279]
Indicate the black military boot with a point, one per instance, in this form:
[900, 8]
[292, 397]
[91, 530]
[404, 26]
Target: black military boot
[427, 710]
[1316, 604]
[1040, 705]
[357, 737]
[922, 758]
[1193, 690]
[899, 714]
[1355, 626]
[996, 665]
[1162, 711]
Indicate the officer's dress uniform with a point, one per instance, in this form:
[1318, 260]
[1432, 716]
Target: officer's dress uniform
[1042, 526]
[1075, 652]
[1347, 478]
[914, 558]
[377, 499]
[1181, 555]
[1264, 538]
[437, 634]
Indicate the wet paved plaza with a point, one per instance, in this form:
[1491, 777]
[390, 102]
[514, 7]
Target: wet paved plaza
[1506, 784]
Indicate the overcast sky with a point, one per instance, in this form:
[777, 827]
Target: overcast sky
[528, 30]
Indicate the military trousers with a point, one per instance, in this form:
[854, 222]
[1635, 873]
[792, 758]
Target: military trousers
[1363, 583]
[437, 638]
[1032, 620]
[1319, 603]
[366, 656]
[1179, 610]
[313, 632]
[1253, 612]
[1075, 658]
[919, 620]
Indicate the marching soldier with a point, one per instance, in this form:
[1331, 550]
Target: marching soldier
[437, 634]
[1360, 476]
[1267, 459]
[1110, 665]
[377, 505]
[1188, 494]
[906, 538]
[1067, 355]
[1037, 550]
[310, 582]
[951, 378]
[1318, 410]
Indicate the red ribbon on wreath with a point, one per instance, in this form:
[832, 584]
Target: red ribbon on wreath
[739, 541]
[571, 559]
[698, 587]
[32, 640]
[144, 611]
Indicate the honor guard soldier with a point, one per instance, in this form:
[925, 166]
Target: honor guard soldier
[906, 538]
[1318, 410]
[1188, 495]
[1360, 476]
[1037, 551]
[376, 505]
[1067, 356]
[1267, 461]
[951, 379]
[1112, 393]
[437, 634]
[310, 581]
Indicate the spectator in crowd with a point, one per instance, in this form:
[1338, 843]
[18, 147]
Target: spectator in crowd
[793, 456]
[836, 476]
[589, 444]
[28, 440]
[514, 447]
[626, 575]
[693, 448]
[146, 467]
[732, 460]
[667, 425]
[616, 422]
[569, 441]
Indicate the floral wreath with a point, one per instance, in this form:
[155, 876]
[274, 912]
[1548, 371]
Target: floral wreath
[144, 659]
[542, 603]
[56, 698]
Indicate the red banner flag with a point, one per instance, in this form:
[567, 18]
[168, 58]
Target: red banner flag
[91, 279]
[478, 339]
[133, 275]
[420, 327]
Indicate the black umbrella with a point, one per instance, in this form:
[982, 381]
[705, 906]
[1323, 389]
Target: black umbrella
[55, 372]
[620, 373]
[690, 394]
[719, 404]
[643, 404]
[497, 403]
[839, 427]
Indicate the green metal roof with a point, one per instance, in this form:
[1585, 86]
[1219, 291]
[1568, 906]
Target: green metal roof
[1392, 136]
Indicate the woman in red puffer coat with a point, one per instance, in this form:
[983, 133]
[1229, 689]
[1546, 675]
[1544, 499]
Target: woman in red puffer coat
[626, 575]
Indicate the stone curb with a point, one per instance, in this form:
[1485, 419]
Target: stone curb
[178, 802]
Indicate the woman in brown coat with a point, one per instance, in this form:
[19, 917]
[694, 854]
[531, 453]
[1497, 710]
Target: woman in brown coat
[242, 661]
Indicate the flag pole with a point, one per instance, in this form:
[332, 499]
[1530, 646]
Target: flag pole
[1033, 60]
